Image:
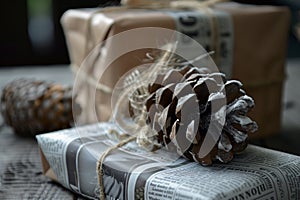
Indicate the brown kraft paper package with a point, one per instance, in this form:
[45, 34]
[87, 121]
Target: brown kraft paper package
[258, 54]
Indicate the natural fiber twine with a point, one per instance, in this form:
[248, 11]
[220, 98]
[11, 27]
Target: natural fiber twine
[151, 4]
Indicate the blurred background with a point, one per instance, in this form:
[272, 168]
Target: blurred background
[31, 33]
[32, 43]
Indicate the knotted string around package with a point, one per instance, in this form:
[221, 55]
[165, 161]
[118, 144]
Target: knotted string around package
[150, 5]
[101, 160]
[204, 6]
[180, 107]
[177, 106]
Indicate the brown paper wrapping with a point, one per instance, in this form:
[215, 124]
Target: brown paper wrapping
[260, 42]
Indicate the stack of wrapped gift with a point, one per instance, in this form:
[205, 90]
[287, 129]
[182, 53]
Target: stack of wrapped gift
[249, 44]
[70, 157]
[182, 125]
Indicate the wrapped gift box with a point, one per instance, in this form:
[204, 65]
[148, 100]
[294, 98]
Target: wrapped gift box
[70, 157]
[251, 47]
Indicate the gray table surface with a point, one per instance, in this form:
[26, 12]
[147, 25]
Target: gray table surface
[20, 168]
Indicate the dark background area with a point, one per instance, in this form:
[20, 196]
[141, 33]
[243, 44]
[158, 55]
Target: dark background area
[31, 33]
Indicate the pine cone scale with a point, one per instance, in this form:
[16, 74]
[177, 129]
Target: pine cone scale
[32, 107]
[196, 112]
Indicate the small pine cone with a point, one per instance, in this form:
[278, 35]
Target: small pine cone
[185, 107]
[32, 107]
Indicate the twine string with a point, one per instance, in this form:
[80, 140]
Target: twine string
[150, 4]
[215, 40]
[127, 4]
[100, 172]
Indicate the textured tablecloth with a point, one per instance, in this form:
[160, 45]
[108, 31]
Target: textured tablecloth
[20, 171]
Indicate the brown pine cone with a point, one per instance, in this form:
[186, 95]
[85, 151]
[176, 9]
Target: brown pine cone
[32, 107]
[192, 110]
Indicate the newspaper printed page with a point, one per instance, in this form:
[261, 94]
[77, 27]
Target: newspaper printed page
[197, 25]
[133, 173]
[258, 173]
[122, 167]
[73, 154]
[54, 146]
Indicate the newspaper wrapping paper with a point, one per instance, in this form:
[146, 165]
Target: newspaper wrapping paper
[132, 173]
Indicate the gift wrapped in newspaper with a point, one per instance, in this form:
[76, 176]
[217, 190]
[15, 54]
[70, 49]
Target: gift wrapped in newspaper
[249, 44]
[71, 157]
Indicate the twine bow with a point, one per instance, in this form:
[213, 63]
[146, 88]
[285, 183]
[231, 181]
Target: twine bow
[142, 4]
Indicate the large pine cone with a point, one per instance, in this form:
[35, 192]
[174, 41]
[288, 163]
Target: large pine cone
[32, 107]
[192, 110]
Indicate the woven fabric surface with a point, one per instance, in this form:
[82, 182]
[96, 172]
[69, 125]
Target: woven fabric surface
[20, 171]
